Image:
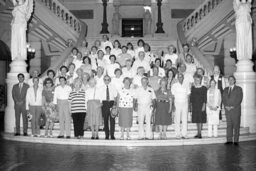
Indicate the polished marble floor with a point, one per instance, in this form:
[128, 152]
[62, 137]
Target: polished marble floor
[22, 156]
[33, 157]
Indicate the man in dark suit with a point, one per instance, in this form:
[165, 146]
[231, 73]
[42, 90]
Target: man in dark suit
[19, 92]
[232, 99]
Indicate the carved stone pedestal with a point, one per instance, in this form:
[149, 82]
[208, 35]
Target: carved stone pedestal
[246, 79]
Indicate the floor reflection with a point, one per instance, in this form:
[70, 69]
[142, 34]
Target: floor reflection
[30, 156]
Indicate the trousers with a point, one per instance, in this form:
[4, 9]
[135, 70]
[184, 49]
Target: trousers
[181, 115]
[64, 115]
[21, 110]
[144, 113]
[36, 112]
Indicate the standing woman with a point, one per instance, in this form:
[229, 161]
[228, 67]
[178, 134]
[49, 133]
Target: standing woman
[93, 108]
[60, 99]
[34, 105]
[130, 49]
[163, 116]
[77, 108]
[213, 108]
[48, 106]
[198, 99]
[125, 105]
[170, 78]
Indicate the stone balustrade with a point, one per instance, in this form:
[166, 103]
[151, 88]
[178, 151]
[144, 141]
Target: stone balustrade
[63, 14]
[203, 10]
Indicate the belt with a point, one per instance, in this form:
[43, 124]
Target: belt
[165, 101]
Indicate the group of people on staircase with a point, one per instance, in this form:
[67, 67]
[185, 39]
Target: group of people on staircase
[108, 81]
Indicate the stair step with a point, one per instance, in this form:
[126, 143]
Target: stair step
[191, 126]
[134, 135]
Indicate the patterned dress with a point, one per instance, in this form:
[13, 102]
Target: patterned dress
[125, 107]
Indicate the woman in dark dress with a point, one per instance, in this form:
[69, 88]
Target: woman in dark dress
[198, 99]
[163, 116]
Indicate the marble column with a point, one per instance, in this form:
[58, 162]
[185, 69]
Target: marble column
[104, 23]
[18, 64]
[116, 22]
[246, 79]
[159, 23]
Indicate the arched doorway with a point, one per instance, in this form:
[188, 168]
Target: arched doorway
[5, 59]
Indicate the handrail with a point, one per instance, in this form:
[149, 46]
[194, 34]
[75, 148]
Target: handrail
[203, 10]
[63, 14]
[201, 60]
[65, 54]
[4, 4]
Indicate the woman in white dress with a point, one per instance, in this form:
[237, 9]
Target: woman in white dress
[116, 48]
[112, 66]
[140, 47]
[171, 55]
[130, 49]
[117, 81]
[213, 108]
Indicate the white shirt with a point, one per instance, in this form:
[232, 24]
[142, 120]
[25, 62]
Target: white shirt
[105, 44]
[137, 80]
[61, 93]
[131, 52]
[137, 50]
[128, 73]
[78, 64]
[118, 83]
[116, 52]
[100, 81]
[180, 92]
[172, 57]
[111, 69]
[92, 93]
[112, 92]
[30, 82]
[139, 63]
[106, 59]
[145, 97]
[32, 99]
[191, 68]
[149, 57]
[161, 72]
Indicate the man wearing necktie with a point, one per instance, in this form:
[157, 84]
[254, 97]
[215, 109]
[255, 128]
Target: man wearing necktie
[19, 92]
[232, 99]
[109, 94]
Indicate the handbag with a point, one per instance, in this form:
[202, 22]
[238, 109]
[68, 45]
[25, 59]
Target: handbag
[114, 111]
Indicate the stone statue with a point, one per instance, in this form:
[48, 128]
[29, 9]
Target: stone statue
[116, 21]
[243, 29]
[21, 14]
[147, 22]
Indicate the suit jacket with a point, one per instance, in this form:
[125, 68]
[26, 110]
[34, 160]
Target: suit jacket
[234, 100]
[19, 96]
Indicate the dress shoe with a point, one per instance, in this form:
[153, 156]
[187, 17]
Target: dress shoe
[92, 138]
[113, 138]
[68, 137]
[17, 134]
[228, 143]
[199, 136]
[97, 137]
[60, 136]
[196, 136]
[236, 144]
[106, 138]
[25, 134]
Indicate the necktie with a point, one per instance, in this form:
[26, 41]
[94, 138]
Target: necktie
[20, 87]
[107, 94]
[229, 91]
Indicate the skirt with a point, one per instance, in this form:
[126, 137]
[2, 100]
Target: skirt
[94, 113]
[162, 116]
[125, 117]
[50, 112]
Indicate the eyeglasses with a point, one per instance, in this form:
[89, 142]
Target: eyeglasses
[106, 79]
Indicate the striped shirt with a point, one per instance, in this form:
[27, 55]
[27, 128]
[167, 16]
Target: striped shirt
[77, 101]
